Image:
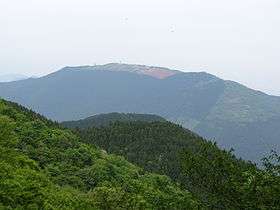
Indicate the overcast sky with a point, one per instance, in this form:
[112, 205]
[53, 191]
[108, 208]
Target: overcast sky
[234, 39]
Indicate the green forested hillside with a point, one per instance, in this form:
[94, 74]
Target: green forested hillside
[106, 119]
[216, 177]
[45, 167]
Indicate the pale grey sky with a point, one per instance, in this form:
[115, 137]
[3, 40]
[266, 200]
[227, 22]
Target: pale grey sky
[234, 39]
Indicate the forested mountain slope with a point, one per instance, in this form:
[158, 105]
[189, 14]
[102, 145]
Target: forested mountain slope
[43, 166]
[220, 180]
[224, 111]
[107, 119]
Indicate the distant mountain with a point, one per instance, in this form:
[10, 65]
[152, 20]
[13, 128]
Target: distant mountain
[107, 119]
[12, 77]
[227, 112]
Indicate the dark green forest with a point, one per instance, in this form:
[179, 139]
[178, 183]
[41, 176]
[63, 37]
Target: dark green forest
[215, 177]
[43, 166]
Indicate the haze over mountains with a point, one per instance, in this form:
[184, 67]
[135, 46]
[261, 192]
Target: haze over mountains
[227, 112]
[12, 77]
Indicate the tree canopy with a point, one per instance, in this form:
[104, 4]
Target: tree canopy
[43, 166]
[216, 177]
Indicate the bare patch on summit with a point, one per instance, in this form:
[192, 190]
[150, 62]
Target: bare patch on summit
[158, 73]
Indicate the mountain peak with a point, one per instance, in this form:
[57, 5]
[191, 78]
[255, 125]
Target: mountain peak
[153, 71]
[157, 72]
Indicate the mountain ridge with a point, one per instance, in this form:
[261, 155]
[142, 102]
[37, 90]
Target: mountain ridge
[106, 119]
[217, 109]
[12, 77]
[132, 68]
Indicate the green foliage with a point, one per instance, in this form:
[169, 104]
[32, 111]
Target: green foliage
[154, 146]
[223, 182]
[209, 174]
[272, 163]
[216, 177]
[45, 167]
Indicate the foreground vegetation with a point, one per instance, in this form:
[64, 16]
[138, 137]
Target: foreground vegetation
[216, 177]
[43, 166]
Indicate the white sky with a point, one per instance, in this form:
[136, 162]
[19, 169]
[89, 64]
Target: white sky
[233, 39]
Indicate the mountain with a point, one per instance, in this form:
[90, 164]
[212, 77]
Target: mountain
[224, 111]
[12, 77]
[214, 176]
[43, 166]
[107, 119]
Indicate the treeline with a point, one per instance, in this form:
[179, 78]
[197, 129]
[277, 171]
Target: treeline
[216, 177]
[45, 167]
[106, 119]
